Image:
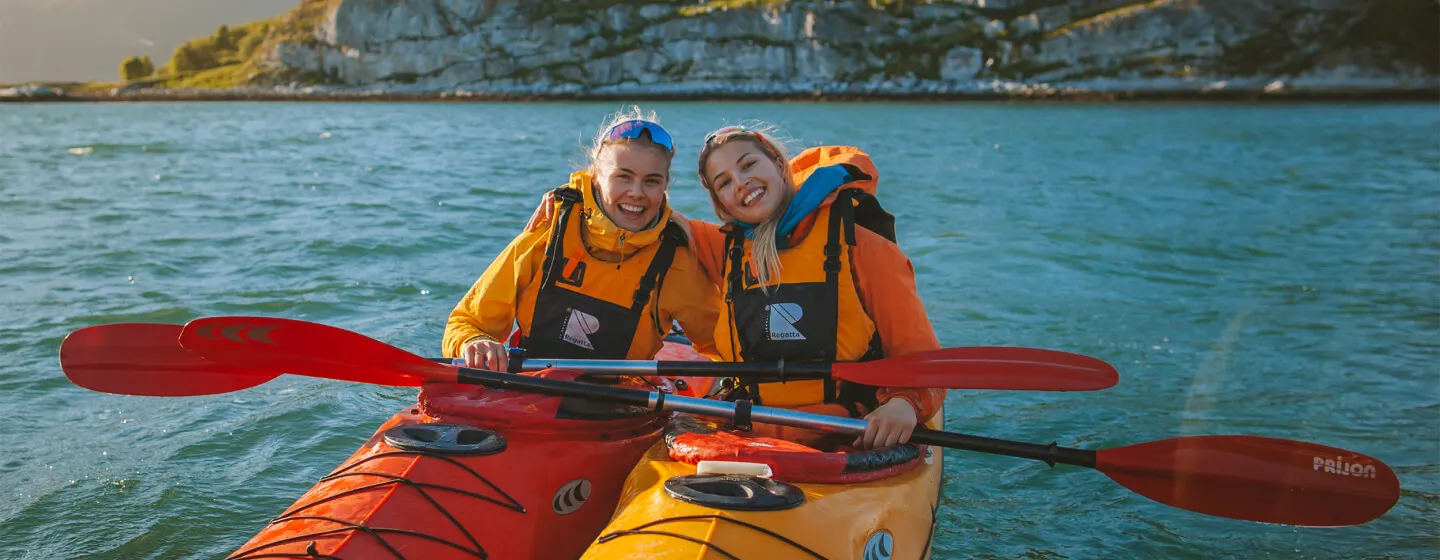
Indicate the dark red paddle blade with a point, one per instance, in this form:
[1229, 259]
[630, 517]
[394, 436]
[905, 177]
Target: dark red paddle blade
[984, 367]
[310, 349]
[1256, 479]
[146, 359]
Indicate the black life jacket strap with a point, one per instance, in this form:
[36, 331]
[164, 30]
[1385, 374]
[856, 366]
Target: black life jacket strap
[734, 268]
[842, 219]
[852, 395]
[735, 263]
[670, 239]
[554, 259]
[734, 277]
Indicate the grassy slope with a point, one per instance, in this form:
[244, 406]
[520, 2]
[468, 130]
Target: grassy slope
[239, 64]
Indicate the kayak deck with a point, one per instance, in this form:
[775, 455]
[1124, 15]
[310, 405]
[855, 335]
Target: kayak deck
[891, 517]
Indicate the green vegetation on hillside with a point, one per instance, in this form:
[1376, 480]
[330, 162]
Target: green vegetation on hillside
[714, 5]
[229, 57]
[135, 68]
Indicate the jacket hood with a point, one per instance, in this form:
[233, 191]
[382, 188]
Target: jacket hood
[831, 167]
[813, 159]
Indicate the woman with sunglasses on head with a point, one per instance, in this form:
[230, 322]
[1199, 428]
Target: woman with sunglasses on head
[803, 283]
[605, 278]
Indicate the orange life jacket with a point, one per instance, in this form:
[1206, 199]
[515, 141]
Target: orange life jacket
[813, 311]
[587, 308]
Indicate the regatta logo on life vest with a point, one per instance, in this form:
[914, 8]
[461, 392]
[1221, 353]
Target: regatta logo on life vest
[1340, 467]
[578, 328]
[781, 322]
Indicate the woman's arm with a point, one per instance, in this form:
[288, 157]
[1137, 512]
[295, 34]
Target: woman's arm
[487, 311]
[707, 243]
[886, 281]
[688, 297]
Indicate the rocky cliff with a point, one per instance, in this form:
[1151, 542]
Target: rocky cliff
[849, 47]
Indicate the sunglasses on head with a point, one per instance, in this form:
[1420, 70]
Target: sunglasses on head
[733, 129]
[634, 128]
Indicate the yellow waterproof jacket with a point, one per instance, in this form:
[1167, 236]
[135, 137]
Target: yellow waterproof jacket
[613, 258]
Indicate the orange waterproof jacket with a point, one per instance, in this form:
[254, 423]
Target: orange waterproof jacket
[507, 292]
[883, 275]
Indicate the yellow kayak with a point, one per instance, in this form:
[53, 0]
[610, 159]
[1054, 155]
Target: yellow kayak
[667, 510]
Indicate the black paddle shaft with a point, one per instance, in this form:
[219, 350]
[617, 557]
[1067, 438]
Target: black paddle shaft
[503, 381]
[1050, 454]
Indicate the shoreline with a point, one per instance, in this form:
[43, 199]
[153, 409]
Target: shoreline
[1081, 96]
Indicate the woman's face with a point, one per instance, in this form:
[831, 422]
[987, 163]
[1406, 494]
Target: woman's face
[631, 183]
[746, 181]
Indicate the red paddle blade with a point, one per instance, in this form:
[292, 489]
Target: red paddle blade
[1256, 479]
[984, 367]
[146, 359]
[310, 349]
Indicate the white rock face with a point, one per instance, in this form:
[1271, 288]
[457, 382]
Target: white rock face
[962, 64]
[826, 46]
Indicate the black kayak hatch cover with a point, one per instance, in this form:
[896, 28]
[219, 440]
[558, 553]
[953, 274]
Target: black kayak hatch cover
[734, 491]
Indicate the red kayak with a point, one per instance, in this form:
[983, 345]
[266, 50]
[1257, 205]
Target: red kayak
[476, 472]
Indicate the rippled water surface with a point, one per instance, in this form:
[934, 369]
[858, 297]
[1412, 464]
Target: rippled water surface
[1267, 270]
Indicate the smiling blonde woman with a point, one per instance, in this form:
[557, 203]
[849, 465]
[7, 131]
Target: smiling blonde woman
[802, 283]
[606, 278]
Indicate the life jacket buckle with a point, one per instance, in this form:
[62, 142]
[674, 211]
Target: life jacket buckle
[642, 293]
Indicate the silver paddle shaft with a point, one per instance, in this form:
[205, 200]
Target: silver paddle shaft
[762, 414]
[775, 370]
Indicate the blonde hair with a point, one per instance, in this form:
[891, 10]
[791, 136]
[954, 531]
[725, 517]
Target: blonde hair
[631, 113]
[763, 251]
